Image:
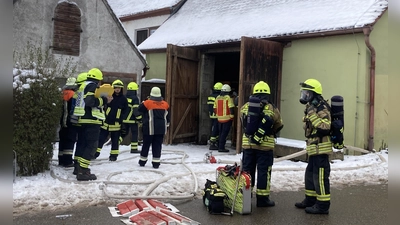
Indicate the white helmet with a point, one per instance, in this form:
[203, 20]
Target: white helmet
[226, 88]
[155, 92]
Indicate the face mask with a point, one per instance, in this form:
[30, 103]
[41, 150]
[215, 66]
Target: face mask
[305, 96]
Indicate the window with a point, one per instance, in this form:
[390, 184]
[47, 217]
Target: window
[143, 34]
[67, 29]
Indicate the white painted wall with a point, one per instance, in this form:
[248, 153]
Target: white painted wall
[133, 25]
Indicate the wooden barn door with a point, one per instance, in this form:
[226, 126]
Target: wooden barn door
[259, 60]
[182, 94]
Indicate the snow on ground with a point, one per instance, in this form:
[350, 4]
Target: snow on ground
[182, 174]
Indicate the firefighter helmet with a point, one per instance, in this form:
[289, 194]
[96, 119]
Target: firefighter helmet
[70, 81]
[118, 83]
[95, 74]
[218, 86]
[132, 86]
[81, 77]
[226, 88]
[261, 88]
[309, 89]
[312, 85]
[155, 92]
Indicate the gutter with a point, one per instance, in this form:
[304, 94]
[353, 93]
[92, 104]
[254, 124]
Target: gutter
[367, 32]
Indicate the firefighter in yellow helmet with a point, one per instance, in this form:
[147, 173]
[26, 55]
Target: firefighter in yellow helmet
[224, 109]
[261, 121]
[132, 118]
[89, 110]
[114, 116]
[80, 79]
[317, 123]
[213, 117]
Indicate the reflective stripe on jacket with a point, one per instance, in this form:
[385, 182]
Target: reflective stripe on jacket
[268, 140]
[224, 108]
[317, 124]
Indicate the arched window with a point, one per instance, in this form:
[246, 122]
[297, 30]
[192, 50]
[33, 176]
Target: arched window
[67, 29]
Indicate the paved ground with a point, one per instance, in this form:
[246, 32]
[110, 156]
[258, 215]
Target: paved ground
[350, 205]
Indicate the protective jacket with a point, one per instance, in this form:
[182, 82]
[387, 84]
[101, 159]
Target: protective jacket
[270, 124]
[88, 108]
[132, 115]
[65, 120]
[115, 111]
[155, 116]
[317, 125]
[210, 103]
[224, 108]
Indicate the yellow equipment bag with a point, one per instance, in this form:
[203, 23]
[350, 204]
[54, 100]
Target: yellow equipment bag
[104, 90]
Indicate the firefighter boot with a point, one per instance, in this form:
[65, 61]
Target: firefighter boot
[307, 202]
[320, 207]
[264, 201]
[84, 174]
[113, 157]
[76, 166]
[213, 146]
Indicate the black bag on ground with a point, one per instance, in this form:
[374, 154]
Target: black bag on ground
[213, 197]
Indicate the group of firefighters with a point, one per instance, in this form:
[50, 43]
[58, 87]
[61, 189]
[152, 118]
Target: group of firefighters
[89, 118]
[262, 121]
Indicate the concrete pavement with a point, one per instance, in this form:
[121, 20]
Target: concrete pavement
[349, 205]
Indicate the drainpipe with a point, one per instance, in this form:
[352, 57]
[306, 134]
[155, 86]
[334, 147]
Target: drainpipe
[367, 32]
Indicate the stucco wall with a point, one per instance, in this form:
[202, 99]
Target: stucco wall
[340, 64]
[158, 65]
[102, 42]
[379, 39]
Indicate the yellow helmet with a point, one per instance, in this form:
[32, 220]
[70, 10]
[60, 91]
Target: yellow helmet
[312, 85]
[132, 86]
[261, 88]
[95, 74]
[118, 83]
[81, 77]
[218, 86]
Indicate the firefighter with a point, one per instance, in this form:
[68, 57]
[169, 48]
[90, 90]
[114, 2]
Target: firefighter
[317, 123]
[91, 116]
[67, 133]
[132, 118]
[155, 123]
[258, 146]
[80, 79]
[213, 117]
[224, 108]
[114, 116]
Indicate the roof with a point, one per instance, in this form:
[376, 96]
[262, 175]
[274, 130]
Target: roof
[121, 27]
[203, 22]
[130, 7]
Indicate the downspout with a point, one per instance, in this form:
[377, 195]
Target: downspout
[367, 32]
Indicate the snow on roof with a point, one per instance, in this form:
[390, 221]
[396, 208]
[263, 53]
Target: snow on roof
[131, 7]
[201, 22]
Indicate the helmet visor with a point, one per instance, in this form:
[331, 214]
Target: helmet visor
[306, 96]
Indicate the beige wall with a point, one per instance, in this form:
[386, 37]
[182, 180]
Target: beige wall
[341, 64]
[379, 39]
[158, 65]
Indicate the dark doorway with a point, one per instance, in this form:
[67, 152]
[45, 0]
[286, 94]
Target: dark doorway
[226, 70]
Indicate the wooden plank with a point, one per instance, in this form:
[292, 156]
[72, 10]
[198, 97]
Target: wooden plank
[182, 120]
